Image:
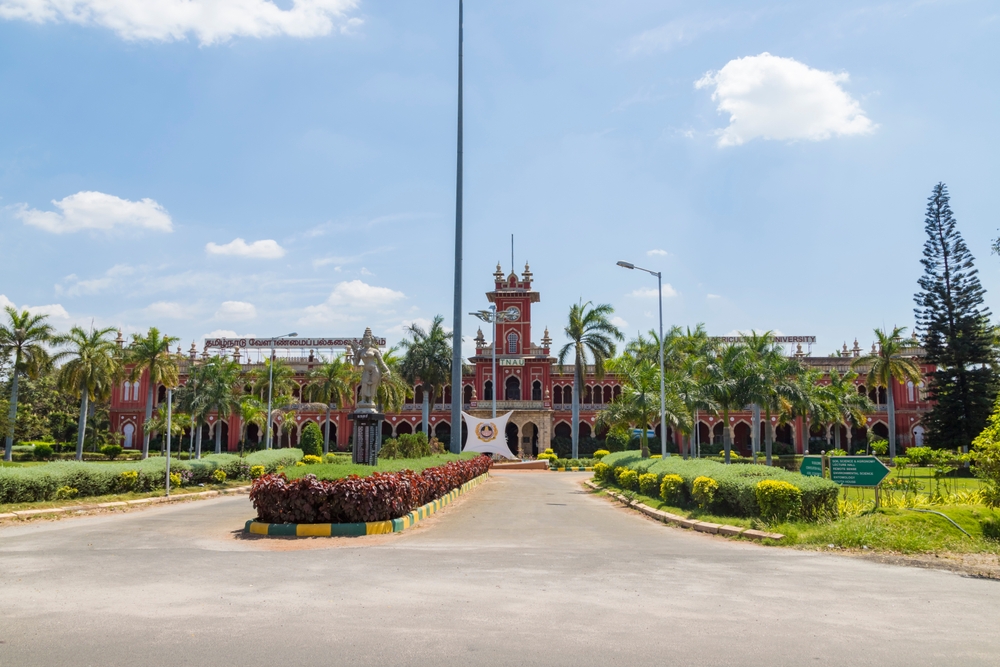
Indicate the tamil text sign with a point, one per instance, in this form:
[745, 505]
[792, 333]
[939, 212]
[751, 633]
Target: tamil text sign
[300, 343]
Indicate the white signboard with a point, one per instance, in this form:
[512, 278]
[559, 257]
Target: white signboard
[267, 343]
[488, 436]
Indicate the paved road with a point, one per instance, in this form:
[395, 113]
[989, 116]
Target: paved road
[527, 570]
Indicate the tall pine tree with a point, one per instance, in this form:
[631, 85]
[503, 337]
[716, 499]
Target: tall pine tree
[953, 324]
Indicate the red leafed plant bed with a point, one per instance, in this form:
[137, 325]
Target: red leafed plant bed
[378, 497]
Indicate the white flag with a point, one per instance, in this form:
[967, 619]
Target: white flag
[488, 435]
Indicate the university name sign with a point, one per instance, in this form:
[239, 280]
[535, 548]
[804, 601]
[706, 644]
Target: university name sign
[268, 343]
[511, 362]
[777, 339]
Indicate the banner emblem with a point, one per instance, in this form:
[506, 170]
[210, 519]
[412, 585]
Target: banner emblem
[486, 431]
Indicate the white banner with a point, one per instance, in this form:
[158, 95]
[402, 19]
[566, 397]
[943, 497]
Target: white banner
[488, 436]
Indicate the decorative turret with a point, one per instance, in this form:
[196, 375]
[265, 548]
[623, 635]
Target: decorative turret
[844, 351]
[527, 275]
[856, 349]
[480, 339]
[193, 352]
[236, 355]
[546, 341]
[498, 274]
[120, 340]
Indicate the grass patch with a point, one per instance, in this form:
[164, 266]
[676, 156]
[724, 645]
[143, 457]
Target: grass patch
[888, 530]
[340, 470]
[114, 498]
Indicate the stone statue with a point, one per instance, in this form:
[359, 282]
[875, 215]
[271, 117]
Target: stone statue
[368, 359]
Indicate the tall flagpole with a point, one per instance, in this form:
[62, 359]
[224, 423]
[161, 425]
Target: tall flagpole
[457, 390]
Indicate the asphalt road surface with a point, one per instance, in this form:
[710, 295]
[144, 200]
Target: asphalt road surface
[528, 569]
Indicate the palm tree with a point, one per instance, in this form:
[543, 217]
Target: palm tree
[887, 364]
[252, 411]
[639, 402]
[589, 330]
[394, 389]
[24, 336]
[92, 371]
[727, 385]
[191, 399]
[158, 424]
[150, 354]
[223, 388]
[772, 382]
[692, 351]
[331, 383]
[849, 406]
[427, 360]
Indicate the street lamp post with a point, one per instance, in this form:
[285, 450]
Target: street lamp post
[663, 394]
[491, 316]
[270, 382]
[170, 404]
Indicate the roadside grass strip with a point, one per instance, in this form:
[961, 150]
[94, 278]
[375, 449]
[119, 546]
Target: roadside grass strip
[693, 524]
[358, 529]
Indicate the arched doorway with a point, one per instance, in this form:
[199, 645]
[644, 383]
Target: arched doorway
[717, 434]
[529, 439]
[512, 389]
[585, 430]
[386, 430]
[880, 430]
[563, 430]
[512, 443]
[443, 433]
[129, 434]
[918, 436]
[404, 427]
[536, 391]
[741, 438]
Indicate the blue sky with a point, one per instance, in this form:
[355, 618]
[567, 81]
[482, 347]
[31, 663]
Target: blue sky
[260, 167]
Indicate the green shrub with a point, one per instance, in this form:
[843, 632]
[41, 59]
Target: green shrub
[66, 493]
[256, 472]
[547, 456]
[128, 480]
[340, 459]
[309, 459]
[991, 529]
[111, 452]
[600, 454]
[672, 489]
[616, 473]
[602, 472]
[920, 456]
[703, 491]
[736, 494]
[837, 452]
[42, 452]
[175, 479]
[880, 447]
[629, 479]
[778, 500]
[648, 484]
[219, 475]
[272, 459]
[312, 440]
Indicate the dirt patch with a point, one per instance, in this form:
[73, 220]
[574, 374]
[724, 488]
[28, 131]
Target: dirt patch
[983, 566]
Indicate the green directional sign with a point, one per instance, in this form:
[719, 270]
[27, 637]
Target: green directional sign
[812, 466]
[857, 470]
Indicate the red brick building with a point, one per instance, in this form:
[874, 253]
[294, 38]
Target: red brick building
[530, 384]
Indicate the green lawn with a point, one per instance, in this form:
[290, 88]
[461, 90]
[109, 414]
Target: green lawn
[893, 530]
[339, 470]
[118, 497]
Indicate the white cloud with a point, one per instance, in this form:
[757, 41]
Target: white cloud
[168, 310]
[96, 211]
[657, 253]
[769, 97]
[619, 322]
[350, 300]
[211, 21]
[236, 310]
[266, 249]
[73, 286]
[401, 328]
[650, 292]
[5, 302]
[714, 296]
[53, 310]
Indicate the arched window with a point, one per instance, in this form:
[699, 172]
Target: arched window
[607, 394]
[488, 390]
[418, 394]
[588, 394]
[512, 343]
[617, 391]
[862, 390]
[536, 391]
[128, 432]
[127, 391]
[135, 391]
[910, 393]
[918, 436]
[557, 395]
[567, 394]
[512, 389]
[447, 394]
[467, 394]
[598, 393]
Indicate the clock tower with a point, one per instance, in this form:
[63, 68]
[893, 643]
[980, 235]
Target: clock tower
[515, 296]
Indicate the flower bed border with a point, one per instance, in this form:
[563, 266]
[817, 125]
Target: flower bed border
[357, 529]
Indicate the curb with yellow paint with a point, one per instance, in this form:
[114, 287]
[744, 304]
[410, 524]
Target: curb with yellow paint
[573, 469]
[358, 529]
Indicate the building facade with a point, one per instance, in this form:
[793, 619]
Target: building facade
[529, 383]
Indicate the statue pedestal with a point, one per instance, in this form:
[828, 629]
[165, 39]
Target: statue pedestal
[367, 437]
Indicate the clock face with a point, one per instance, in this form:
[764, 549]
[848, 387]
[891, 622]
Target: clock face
[513, 314]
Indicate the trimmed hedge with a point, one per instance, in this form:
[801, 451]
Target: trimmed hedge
[38, 483]
[379, 497]
[737, 492]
